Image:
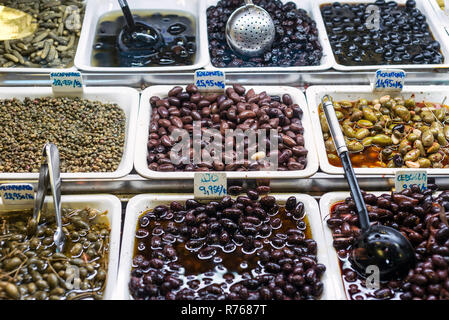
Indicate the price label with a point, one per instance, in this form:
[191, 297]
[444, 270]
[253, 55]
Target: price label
[17, 194]
[405, 179]
[209, 185]
[210, 80]
[389, 80]
[66, 82]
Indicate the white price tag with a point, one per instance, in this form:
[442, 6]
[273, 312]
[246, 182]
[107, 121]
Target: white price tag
[389, 80]
[66, 82]
[17, 194]
[210, 80]
[405, 179]
[210, 185]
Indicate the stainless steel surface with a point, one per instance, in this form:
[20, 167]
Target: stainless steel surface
[250, 30]
[334, 125]
[316, 185]
[304, 79]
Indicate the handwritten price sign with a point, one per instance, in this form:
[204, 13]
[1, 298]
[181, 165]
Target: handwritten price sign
[405, 179]
[210, 185]
[17, 194]
[66, 82]
[389, 80]
[210, 81]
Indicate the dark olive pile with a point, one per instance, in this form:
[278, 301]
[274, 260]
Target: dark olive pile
[296, 42]
[30, 268]
[236, 109]
[421, 217]
[243, 249]
[404, 36]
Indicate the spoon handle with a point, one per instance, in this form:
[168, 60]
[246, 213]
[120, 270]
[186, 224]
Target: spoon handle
[42, 188]
[128, 15]
[247, 2]
[55, 182]
[343, 153]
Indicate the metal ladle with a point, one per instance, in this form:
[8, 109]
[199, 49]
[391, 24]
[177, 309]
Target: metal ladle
[49, 174]
[378, 245]
[138, 38]
[250, 30]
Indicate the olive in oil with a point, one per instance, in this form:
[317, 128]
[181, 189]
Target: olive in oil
[177, 28]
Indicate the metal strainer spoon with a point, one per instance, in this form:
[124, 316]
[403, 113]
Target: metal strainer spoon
[250, 30]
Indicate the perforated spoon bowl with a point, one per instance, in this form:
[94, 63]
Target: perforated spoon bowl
[250, 30]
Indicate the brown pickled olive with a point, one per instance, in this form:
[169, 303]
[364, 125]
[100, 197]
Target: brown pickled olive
[377, 245]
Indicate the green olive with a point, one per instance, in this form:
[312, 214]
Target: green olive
[435, 157]
[402, 112]
[339, 114]
[345, 103]
[356, 115]
[410, 103]
[369, 114]
[446, 132]
[427, 116]
[418, 145]
[412, 155]
[416, 118]
[367, 141]
[355, 146]
[362, 134]
[427, 138]
[440, 113]
[442, 139]
[412, 137]
[404, 147]
[424, 163]
[348, 131]
[382, 140]
[364, 123]
[434, 148]
[323, 122]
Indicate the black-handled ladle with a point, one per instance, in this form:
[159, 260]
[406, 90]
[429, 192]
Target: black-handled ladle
[378, 245]
[137, 35]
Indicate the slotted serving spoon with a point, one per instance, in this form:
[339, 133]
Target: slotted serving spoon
[15, 24]
[49, 175]
[378, 245]
[137, 37]
[250, 30]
